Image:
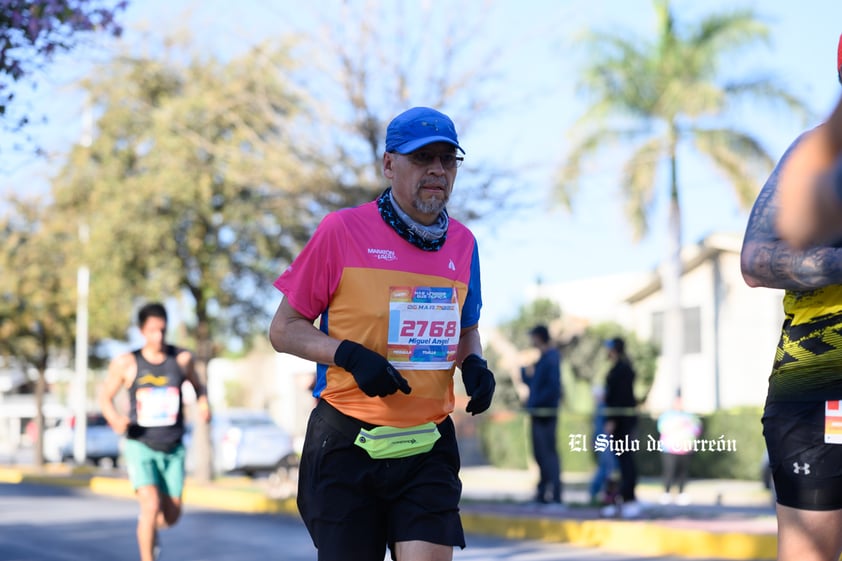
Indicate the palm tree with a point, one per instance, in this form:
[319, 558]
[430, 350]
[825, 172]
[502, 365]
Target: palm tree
[655, 97]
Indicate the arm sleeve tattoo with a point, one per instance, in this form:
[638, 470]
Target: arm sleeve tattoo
[767, 261]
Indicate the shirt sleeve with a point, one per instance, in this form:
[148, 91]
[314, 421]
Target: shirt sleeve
[311, 279]
[473, 300]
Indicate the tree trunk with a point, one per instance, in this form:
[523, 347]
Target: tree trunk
[202, 445]
[40, 389]
[668, 378]
[673, 320]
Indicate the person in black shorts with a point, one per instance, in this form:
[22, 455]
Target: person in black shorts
[395, 284]
[354, 506]
[802, 418]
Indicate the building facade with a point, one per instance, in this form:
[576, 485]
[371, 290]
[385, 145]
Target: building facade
[730, 330]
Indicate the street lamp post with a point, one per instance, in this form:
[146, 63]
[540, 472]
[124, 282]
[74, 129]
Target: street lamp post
[81, 424]
[83, 277]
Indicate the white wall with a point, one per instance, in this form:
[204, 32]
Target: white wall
[696, 376]
[740, 328]
[750, 325]
[294, 400]
[597, 298]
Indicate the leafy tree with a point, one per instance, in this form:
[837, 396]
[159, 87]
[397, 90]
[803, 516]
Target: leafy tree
[662, 98]
[193, 187]
[366, 67]
[584, 360]
[205, 178]
[505, 394]
[541, 311]
[588, 359]
[37, 294]
[32, 32]
[502, 351]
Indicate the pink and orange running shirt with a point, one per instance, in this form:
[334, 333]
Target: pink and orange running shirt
[373, 287]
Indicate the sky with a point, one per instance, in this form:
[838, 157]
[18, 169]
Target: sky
[540, 56]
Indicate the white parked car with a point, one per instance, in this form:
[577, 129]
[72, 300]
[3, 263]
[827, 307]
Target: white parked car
[247, 441]
[101, 443]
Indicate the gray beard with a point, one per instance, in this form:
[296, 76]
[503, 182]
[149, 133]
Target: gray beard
[431, 232]
[432, 206]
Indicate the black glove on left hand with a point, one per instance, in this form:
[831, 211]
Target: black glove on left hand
[479, 383]
[375, 375]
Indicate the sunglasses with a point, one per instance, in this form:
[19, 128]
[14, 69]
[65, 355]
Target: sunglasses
[424, 159]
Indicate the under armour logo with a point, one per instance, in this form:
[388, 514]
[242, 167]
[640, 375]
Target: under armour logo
[451, 266]
[802, 469]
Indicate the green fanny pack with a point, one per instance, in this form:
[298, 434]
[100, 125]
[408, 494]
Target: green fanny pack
[392, 442]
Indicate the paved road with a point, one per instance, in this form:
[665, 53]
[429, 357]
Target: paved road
[45, 523]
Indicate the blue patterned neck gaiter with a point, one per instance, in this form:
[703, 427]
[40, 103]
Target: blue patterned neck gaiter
[428, 238]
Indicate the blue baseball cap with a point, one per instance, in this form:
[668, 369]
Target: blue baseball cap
[419, 127]
[616, 344]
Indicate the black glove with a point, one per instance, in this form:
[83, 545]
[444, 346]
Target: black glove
[374, 374]
[479, 383]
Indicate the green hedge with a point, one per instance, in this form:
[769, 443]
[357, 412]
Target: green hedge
[505, 442]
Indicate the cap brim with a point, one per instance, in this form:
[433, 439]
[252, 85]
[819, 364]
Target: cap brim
[414, 145]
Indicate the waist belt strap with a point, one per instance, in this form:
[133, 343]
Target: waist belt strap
[347, 426]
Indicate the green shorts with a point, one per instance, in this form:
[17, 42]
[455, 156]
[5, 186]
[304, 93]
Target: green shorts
[146, 466]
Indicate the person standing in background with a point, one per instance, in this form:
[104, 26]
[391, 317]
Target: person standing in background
[621, 423]
[545, 394]
[678, 429]
[606, 460]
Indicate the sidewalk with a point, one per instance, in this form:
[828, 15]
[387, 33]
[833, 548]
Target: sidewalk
[726, 519]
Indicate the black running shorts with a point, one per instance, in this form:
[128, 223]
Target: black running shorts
[353, 505]
[806, 471]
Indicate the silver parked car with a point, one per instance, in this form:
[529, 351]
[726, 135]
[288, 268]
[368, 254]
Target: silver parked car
[247, 441]
[101, 443]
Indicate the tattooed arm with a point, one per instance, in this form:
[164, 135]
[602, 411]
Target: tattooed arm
[768, 261]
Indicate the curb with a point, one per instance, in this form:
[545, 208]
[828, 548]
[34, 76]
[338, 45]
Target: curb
[63, 478]
[648, 537]
[251, 501]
